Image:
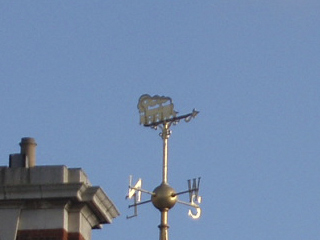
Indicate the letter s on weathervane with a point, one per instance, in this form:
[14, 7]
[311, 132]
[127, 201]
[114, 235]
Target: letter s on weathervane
[196, 206]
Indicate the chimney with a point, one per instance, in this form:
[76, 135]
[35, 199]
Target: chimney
[28, 149]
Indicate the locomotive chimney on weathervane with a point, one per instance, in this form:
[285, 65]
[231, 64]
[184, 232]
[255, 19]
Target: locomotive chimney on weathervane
[158, 111]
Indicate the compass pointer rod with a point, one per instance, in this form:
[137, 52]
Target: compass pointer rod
[139, 203]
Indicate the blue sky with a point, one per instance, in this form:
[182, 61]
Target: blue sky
[72, 72]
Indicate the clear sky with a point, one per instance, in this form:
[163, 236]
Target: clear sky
[72, 72]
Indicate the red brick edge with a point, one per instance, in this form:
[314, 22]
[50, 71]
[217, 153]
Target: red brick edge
[48, 234]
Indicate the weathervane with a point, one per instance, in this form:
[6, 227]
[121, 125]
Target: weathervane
[157, 112]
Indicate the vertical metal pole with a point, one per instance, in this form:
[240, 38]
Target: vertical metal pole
[165, 135]
[164, 225]
[164, 213]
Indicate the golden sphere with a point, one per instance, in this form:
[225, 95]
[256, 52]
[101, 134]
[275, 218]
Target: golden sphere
[164, 197]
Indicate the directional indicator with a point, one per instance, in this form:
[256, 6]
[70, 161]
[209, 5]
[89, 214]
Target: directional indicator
[194, 198]
[134, 189]
[194, 189]
[135, 193]
[155, 109]
[158, 111]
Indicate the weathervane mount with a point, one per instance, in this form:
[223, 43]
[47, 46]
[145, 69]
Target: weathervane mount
[158, 111]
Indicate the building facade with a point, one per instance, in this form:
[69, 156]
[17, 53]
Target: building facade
[49, 202]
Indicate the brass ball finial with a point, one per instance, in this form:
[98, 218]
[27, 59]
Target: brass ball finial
[164, 197]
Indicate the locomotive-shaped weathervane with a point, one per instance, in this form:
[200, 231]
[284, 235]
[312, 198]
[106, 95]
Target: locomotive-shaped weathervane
[157, 111]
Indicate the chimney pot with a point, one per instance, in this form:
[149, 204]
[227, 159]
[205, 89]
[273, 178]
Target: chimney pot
[28, 148]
